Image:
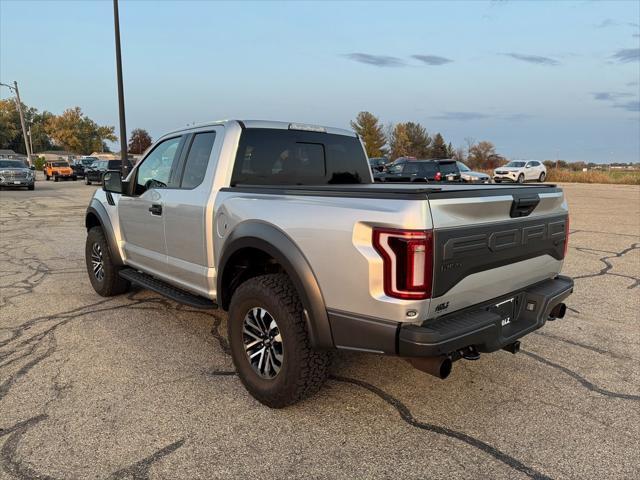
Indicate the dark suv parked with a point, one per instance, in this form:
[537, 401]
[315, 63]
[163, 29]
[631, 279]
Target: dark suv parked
[94, 172]
[409, 170]
[79, 166]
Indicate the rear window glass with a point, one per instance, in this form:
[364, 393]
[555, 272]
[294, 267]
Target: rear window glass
[421, 168]
[290, 157]
[449, 167]
[198, 159]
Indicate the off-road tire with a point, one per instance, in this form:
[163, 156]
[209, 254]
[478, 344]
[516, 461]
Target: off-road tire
[47, 177]
[521, 178]
[112, 283]
[304, 369]
[542, 177]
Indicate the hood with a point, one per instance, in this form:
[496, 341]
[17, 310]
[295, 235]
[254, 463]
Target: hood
[13, 169]
[509, 169]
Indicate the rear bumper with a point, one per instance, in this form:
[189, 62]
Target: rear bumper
[480, 326]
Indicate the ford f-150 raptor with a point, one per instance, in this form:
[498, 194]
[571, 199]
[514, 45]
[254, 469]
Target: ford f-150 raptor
[282, 225]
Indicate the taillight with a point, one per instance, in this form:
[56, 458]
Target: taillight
[407, 262]
[438, 176]
[566, 237]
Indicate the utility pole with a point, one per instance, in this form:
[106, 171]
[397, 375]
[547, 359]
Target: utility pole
[24, 128]
[123, 127]
[30, 139]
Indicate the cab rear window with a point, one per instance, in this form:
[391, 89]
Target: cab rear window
[292, 157]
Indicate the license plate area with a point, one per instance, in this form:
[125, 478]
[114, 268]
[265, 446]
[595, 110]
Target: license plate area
[508, 310]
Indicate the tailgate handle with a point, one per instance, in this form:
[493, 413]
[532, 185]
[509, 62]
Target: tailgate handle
[523, 206]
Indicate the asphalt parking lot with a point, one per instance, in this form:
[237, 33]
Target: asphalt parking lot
[137, 387]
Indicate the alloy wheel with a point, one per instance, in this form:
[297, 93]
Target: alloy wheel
[97, 262]
[262, 342]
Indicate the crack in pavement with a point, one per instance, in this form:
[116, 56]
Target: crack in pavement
[606, 270]
[405, 414]
[17, 468]
[586, 383]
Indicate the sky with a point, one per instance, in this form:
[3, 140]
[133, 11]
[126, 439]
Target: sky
[541, 80]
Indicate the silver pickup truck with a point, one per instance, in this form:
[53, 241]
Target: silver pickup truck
[281, 225]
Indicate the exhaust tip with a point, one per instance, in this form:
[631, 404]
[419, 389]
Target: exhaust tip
[558, 311]
[445, 368]
[437, 366]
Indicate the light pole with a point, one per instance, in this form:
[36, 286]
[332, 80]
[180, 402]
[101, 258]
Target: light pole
[123, 128]
[14, 88]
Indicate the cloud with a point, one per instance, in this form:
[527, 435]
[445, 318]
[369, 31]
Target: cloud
[627, 55]
[517, 117]
[461, 116]
[609, 22]
[376, 60]
[537, 59]
[636, 35]
[610, 96]
[631, 106]
[432, 59]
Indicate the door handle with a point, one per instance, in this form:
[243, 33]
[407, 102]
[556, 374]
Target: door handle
[155, 209]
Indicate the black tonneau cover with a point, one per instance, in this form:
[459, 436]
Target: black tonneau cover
[405, 191]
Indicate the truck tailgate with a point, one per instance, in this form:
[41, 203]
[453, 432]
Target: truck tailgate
[491, 241]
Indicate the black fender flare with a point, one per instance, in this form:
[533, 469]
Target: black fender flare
[96, 209]
[278, 245]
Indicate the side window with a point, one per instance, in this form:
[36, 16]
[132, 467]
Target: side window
[530, 164]
[155, 170]
[197, 159]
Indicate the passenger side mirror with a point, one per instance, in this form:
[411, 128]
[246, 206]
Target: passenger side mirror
[527, 166]
[112, 181]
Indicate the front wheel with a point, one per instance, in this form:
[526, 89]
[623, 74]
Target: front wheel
[542, 177]
[87, 181]
[31, 187]
[270, 344]
[46, 177]
[521, 178]
[103, 272]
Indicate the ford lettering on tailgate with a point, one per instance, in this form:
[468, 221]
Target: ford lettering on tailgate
[464, 251]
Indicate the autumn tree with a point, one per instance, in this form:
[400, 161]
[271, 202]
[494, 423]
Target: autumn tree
[368, 127]
[140, 140]
[399, 140]
[479, 154]
[76, 132]
[419, 140]
[11, 137]
[439, 148]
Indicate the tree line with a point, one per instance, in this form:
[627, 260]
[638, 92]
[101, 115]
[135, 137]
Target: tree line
[411, 139]
[72, 131]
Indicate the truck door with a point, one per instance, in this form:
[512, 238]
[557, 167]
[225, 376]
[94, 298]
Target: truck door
[188, 214]
[142, 215]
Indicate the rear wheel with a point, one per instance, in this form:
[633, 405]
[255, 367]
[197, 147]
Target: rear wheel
[55, 179]
[87, 181]
[103, 272]
[31, 187]
[542, 177]
[521, 178]
[74, 178]
[270, 344]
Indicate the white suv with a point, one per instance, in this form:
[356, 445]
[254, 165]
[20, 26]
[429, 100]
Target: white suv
[521, 171]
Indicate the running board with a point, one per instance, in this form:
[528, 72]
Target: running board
[169, 291]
